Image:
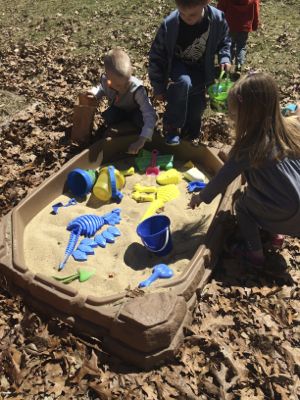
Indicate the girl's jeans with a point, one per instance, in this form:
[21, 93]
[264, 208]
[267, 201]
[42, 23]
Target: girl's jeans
[185, 99]
[238, 46]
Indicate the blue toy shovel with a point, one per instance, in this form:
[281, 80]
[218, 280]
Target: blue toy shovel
[195, 186]
[55, 207]
[160, 271]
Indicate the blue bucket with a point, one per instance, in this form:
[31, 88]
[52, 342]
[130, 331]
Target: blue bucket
[81, 182]
[156, 235]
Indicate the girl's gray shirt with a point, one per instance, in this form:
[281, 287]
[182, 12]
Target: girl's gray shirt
[272, 193]
[134, 98]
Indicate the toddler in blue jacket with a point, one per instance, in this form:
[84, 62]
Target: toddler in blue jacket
[181, 64]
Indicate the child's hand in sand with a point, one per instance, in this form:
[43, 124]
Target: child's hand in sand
[135, 147]
[195, 201]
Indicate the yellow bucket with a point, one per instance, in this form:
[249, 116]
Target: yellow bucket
[102, 187]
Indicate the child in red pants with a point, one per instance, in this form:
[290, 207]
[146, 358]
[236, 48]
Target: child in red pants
[242, 17]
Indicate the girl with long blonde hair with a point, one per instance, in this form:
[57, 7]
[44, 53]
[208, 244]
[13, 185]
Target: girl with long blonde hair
[267, 152]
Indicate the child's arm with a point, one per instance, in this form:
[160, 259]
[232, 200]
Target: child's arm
[255, 16]
[149, 118]
[93, 96]
[230, 170]
[158, 62]
[224, 46]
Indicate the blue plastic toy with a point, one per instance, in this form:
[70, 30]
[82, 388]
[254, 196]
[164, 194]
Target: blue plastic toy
[115, 193]
[79, 255]
[114, 231]
[108, 237]
[99, 239]
[195, 186]
[160, 271]
[88, 250]
[155, 234]
[87, 225]
[56, 206]
[89, 242]
[80, 182]
[289, 109]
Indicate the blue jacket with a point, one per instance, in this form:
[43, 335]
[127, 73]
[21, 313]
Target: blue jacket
[162, 49]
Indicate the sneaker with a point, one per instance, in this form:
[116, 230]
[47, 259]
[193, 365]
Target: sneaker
[277, 241]
[272, 241]
[172, 139]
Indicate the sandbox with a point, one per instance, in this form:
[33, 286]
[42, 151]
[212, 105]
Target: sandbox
[143, 326]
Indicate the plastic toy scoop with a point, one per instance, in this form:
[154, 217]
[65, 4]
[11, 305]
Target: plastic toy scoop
[82, 275]
[153, 169]
[160, 271]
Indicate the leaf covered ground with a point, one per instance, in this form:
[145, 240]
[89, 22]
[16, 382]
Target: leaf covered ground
[244, 342]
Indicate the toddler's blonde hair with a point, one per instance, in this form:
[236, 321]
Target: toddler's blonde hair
[118, 62]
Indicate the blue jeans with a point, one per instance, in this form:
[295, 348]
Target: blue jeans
[114, 115]
[238, 46]
[185, 99]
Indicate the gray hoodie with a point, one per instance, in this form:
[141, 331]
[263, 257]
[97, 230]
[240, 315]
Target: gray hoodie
[272, 195]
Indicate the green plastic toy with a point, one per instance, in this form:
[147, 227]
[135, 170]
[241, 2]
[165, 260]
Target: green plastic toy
[218, 92]
[143, 160]
[82, 275]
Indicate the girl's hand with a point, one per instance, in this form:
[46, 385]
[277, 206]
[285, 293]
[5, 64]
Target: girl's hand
[226, 67]
[195, 201]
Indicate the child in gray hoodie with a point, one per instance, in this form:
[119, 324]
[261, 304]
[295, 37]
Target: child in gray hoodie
[127, 97]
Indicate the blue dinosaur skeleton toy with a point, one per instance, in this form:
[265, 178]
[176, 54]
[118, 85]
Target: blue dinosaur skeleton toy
[87, 225]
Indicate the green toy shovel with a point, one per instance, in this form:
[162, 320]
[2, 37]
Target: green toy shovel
[82, 275]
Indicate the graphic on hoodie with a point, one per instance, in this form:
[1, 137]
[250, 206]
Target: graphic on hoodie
[191, 41]
[193, 53]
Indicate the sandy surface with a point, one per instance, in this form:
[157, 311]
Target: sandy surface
[125, 263]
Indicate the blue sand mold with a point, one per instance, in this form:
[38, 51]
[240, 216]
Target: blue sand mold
[99, 239]
[89, 242]
[108, 236]
[86, 249]
[79, 255]
[114, 231]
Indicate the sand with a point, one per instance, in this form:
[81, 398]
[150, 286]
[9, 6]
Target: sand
[125, 263]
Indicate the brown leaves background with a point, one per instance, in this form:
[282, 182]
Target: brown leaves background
[244, 342]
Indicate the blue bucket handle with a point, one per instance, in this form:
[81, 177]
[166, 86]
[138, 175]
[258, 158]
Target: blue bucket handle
[115, 193]
[164, 245]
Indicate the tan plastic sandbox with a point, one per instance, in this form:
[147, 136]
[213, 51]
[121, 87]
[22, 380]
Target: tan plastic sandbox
[143, 327]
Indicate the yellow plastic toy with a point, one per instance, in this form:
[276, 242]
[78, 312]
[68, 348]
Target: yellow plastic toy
[152, 209]
[172, 176]
[143, 197]
[128, 172]
[102, 187]
[167, 193]
[163, 195]
[144, 189]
